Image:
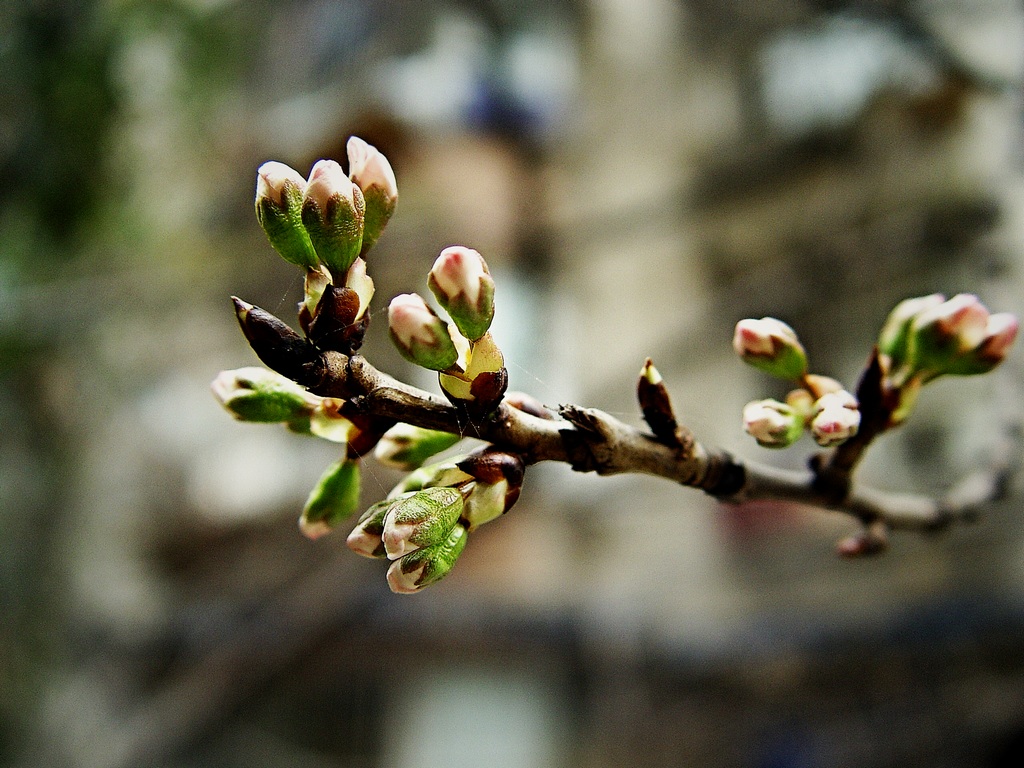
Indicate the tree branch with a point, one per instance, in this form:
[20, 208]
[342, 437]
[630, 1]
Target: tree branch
[590, 440]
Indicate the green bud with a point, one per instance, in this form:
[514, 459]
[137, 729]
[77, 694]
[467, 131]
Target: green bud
[421, 520]
[332, 212]
[894, 338]
[335, 497]
[259, 395]
[406, 447]
[279, 191]
[426, 566]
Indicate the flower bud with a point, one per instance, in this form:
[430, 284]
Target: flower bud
[365, 538]
[420, 335]
[428, 565]
[771, 346]
[406, 447]
[1000, 333]
[484, 380]
[421, 520]
[332, 212]
[279, 191]
[463, 285]
[772, 424]
[372, 173]
[836, 418]
[256, 394]
[335, 497]
[894, 337]
[942, 337]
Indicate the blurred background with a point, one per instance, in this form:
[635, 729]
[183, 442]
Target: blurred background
[639, 174]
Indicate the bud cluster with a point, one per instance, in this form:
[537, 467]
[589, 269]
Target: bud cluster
[424, 523]
[470, 365]
[819, 405]
[326, 224]
[931, 336]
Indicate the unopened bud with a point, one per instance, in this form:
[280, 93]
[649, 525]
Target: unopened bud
[279, 191]
[873, 539]
[333, 325]
[426, 566]
[772, 424]
[421, 520]
[365, 538]
[276, 344]
[836, 418]
[420, 335]
[406, 447]
[256, 394]
[656, 405]
[771, 346]
[335, 497]
[894, 338]
[958, 337]
[332, 212]
[1000, 333]
[372, 173]
[463, 285]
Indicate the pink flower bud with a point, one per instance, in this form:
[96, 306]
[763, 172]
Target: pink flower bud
[273, 179]
[1001, 332]
[326, 180]
[333, 213]
[372, 173]
[419, 334]
[770, 345]
[463, 285]
[959, 337]
[962, 321]
[836, 418]
[369, 168]
[771, 423]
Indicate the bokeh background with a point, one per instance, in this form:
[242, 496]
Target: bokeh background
[639, 174]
